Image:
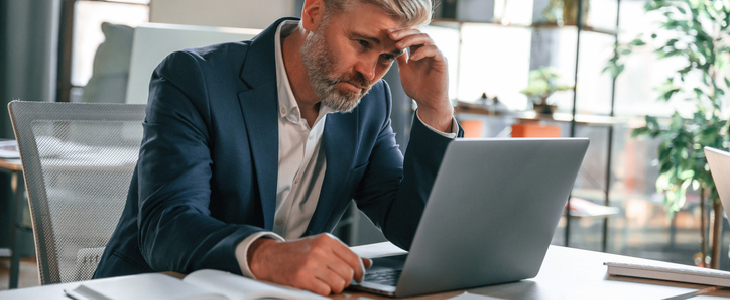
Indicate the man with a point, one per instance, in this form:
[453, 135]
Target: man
[252, 150]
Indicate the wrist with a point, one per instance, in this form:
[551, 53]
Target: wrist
[440, 119]
[255, 254]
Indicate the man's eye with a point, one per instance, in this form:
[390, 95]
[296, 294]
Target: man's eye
[388, 57]
[363, 43]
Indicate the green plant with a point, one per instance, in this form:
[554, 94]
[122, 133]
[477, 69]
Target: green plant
[542, 83]
[615, 66]
[698, 34]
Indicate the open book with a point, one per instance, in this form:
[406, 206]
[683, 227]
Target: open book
[199, 285]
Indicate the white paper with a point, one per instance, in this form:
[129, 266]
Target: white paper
[237, 287]
[151, 286]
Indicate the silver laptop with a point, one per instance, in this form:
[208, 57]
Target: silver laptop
[719, 161]
[490, 218]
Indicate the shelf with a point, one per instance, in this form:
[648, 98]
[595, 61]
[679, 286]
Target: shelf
[474, 108]
[455, 24]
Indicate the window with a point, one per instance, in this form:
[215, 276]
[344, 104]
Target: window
[82, 34]
[496, 58]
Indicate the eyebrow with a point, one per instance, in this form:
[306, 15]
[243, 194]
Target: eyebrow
[395, 52]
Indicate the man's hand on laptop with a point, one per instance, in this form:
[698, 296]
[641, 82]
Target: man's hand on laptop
[321, 263]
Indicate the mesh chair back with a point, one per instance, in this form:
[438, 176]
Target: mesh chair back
[78, 160]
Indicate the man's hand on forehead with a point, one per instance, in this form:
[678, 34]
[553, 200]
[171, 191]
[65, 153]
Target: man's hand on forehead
[410, 40]
[424, 76]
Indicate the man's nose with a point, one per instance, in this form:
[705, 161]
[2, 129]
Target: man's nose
[366, 68]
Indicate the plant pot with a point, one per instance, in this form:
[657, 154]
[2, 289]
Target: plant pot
[544, 109]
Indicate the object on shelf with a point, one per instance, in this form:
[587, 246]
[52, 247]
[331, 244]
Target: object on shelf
[472, 128]
[479, 108]
[544, 108]
[491, 104]
[543, 83]
[535, 129]
[580, 208]
[565, 12]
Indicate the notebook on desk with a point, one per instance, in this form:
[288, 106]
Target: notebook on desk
[490, 218]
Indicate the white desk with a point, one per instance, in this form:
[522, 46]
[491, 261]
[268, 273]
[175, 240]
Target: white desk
[566, 273]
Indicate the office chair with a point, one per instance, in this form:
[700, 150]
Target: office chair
[78, 160]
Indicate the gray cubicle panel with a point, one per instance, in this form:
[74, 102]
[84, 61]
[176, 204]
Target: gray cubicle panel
[154, 41]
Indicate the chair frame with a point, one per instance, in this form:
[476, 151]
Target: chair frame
[22, 114]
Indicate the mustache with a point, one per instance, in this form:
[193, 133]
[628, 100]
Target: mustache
[356, 79]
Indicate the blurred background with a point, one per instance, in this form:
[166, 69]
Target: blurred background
[517, 68]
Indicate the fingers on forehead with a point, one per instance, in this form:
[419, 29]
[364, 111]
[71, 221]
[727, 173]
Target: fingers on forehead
[415, 40]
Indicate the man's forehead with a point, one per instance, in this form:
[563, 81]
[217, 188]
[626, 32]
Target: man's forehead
[376, 28]
[382, 39]
[374, 31]
[374, 35]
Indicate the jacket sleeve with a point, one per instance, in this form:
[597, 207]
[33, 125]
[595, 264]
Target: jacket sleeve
[394, 189]
[176, 230]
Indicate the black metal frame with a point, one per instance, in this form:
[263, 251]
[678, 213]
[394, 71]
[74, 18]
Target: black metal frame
[607, 201]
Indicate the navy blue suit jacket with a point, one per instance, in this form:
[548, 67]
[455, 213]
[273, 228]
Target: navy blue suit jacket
[207, 169]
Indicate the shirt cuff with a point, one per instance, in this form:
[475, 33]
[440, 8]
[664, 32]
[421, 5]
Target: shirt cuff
[242, 250]
[454, 128]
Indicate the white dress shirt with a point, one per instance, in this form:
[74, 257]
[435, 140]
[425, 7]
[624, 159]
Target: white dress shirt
[301, 161]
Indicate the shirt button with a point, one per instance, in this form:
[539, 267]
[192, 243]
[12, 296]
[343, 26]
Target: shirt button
[311, 137]
[283, 111]
[279, 222]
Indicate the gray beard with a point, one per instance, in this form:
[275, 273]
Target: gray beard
[320, 63]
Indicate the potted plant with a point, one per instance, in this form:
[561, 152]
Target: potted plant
[542, 84]
[699, 31]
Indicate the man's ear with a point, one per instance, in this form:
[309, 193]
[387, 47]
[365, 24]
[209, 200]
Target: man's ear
[312, 14]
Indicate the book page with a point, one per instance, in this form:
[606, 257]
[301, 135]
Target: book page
[237, 287]
[152, 286]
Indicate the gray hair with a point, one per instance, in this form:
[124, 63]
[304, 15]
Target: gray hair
[411, 13]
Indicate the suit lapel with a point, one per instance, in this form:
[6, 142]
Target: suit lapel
[259, 113]
[339, 140]
[258, 107]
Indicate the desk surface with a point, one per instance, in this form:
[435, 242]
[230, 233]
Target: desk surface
[566, 273]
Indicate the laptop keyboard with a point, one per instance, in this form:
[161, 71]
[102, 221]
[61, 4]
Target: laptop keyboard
[388, 277]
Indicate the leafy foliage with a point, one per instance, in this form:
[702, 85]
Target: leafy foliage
[700, 29]
[614, 65]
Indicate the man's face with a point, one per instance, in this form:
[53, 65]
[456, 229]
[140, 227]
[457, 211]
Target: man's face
[349, 52]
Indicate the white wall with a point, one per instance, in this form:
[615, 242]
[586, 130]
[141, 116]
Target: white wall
[227, 13]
